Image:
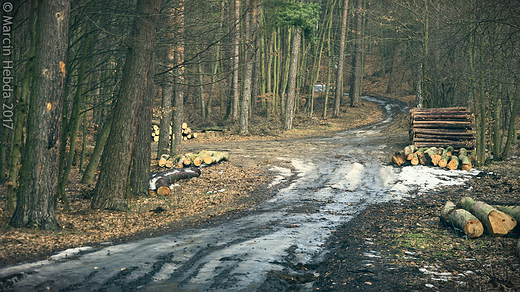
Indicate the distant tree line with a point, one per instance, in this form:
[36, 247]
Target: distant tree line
[92, 67]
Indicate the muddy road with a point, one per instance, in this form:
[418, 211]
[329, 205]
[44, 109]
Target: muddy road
[319, 184]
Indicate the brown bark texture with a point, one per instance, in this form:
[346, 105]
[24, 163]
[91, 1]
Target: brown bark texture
[36, 201]
[116, 159]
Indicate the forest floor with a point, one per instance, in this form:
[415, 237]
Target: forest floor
[388, 247]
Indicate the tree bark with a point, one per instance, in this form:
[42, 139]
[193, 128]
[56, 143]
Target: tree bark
[21, 111]
[179, 88]
[248, 75]
[168, 177]
[101, 139]
[116, 160]
[341, 61]
[511, 130]
[36, 201]
[461, 219]
[236, 60]
[166, 117]
[356, 80]
[141, 157]
[293, 69]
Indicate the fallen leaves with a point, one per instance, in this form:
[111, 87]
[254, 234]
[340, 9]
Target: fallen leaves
[218, 190]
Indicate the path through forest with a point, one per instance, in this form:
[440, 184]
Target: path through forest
[320, 184]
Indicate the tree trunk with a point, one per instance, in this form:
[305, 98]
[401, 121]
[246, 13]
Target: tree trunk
[356, 80]
[179, 102]
[88, 175]
[329, 63]
[461, 219]
[36, 201]
[141, 157]
[116, 160]
[71, 128]
[341, 60]
[21, 111]
[293, 69]
[511, 133]
[497, 137]
[496, 222]
[236, 60]
[166, 117]
[248, 75]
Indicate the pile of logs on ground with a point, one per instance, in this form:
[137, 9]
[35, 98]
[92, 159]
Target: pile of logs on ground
[192, 159]
[432, 156]
[473, 217]
[187, 133]
[442, 127]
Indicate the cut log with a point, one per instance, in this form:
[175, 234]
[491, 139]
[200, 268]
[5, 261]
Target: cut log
[442, 127]
[186, 161]
[169, 177]
[444, 132]
[434, 157]
[197, 161]
[169, 163]
[424, 159]
[163, 159]
[443, 162]
[511, 211]
[217, 156]
[415, 159]
[164, 191]
[496, 222]
[399, 158]
[462, 153]
[410, 149]
[456, 144]
[454, 163]
[448, 151]
[461, 219]
[466, 163]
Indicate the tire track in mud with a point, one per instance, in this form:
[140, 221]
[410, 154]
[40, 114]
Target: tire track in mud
[284, 235]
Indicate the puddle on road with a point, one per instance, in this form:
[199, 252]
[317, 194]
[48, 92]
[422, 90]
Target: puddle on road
[237, 255]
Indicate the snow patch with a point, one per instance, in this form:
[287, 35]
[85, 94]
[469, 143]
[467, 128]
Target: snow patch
[70, 252]
[283, 173]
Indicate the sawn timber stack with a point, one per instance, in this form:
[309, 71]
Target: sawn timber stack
[442, 127]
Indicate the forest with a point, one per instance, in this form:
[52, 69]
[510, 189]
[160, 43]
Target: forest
[91, 74]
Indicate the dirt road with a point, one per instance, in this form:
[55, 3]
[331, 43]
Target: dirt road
[320, 183]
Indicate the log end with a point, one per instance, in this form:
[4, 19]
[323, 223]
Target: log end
[208, 160]
[162, 162]
[164, 191]
[473, 228]
[500, 223]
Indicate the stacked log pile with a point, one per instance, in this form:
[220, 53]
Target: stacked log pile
[187, 133]
[192, 159]
[472, 217]
[442, 127]
[445, 158]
